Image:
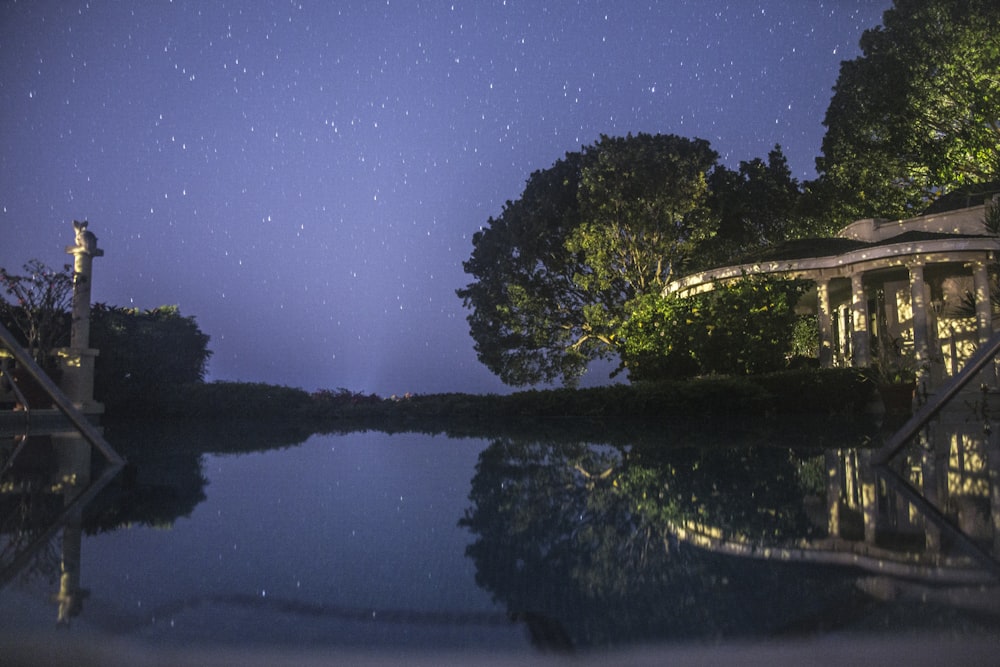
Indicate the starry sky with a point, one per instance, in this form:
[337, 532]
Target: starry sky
[305, 177]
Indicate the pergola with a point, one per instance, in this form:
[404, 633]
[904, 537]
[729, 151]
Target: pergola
[922, 283]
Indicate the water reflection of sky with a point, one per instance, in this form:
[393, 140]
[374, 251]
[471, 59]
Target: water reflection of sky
[370, 541]
[340, 522]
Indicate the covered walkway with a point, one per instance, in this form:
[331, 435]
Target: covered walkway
[918, 289]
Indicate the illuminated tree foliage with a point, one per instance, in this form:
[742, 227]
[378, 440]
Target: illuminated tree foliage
[743, 329]
[555, 272]
[918, 113]
[644, 210]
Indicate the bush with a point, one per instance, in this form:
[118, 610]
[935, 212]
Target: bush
[744, 328]
[144, 355]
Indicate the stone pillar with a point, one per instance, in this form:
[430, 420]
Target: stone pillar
[825, 322]
[859, 327]
[77, 360]
[844, 351]
[984, 310]
[918, 302]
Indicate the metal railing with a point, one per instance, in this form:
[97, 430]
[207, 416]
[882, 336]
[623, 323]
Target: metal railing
[59, 399]
[977, 362]
[920, 419]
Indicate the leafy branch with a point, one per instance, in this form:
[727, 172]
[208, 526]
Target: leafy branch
[41, 299]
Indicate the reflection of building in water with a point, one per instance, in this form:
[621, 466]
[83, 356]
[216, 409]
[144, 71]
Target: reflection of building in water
[42, 479]
[53, 465]
[954, 465]
[73, 461]
[868, 523]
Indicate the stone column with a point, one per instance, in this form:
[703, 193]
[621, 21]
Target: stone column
[844, 351]
[77, 360]
[918, 302]
[825, 322]
[984, 310]
[859, 327]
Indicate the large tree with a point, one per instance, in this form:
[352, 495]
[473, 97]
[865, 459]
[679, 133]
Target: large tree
[758, 205]
[555, 272]
[918, 113]
[524, 301]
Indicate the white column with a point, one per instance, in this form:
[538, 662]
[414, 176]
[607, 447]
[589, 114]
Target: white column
[929, 474]
[984, 308]
[77, 360]
[83, 269]
[73, 455]
[918, 301]
[859, 327]
[825, 322]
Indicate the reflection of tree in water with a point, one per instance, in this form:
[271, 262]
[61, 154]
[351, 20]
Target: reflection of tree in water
[583, 535]
[47, 498]
[751, 492]
[164, 479]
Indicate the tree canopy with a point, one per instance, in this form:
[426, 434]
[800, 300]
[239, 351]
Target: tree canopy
[145, 354]
[759, 204]
[918, 113]
[595, 238]
[554, 272]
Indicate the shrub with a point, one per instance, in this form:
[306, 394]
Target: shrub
[144, 354]
[743, 328]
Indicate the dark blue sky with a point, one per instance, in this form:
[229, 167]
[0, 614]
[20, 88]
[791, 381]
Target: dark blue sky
[305, 177]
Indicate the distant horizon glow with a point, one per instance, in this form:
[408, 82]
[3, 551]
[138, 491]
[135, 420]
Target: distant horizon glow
[305, 178]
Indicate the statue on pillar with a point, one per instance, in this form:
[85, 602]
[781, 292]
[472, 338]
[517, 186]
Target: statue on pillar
[86, 239]
[78, 359]
[84, 252]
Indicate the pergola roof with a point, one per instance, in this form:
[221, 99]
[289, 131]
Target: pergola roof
[829, 247]
[803, 260]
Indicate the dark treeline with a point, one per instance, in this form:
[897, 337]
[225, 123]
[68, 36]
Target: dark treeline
[613, 414]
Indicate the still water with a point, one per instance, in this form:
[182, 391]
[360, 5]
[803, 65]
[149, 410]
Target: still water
[516, 543]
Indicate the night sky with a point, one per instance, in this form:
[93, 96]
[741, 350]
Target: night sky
[305, 177]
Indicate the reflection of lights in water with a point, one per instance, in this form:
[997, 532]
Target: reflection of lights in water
[347, 499]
